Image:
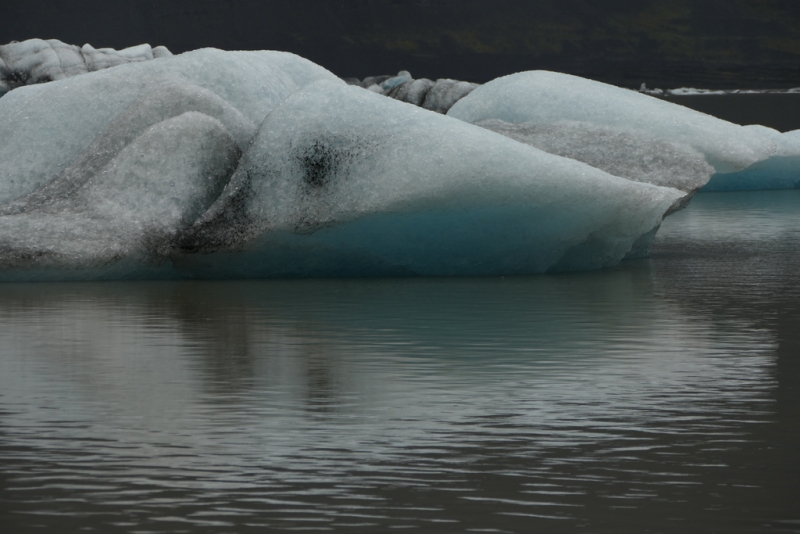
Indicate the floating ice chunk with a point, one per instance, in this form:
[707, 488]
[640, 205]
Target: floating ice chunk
[369, 81]
[44, 128]
[781, 171]
[72, 62]
[128, 210]
[339, 181]
[413, 91]
[32, 61]
[438, 96]
[104, 58]
[161, 51]
[401, 78]
[142, 51]
[37, 61]
[445, 93]
[626, 153]
[543, 97]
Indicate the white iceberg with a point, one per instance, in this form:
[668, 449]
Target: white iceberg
[263, 164]
[542, 98]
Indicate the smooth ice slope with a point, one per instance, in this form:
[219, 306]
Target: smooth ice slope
[45, 128]
[542, 97]
[630, 154]
[341, 181]
[781, 171]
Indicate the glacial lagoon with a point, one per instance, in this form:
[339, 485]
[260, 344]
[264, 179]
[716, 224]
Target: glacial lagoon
[661, 395]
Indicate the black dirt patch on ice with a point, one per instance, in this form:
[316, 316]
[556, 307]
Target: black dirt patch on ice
[321, 161]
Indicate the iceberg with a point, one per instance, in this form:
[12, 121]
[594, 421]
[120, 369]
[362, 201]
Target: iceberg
[547, 98]
[781, 171]
[263, 164]
[438, 96]
[38, 61]
[215, 164]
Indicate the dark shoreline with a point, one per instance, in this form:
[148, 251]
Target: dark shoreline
[717, 44]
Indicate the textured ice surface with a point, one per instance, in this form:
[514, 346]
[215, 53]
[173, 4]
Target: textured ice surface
[45, 128]
[543, 97]
[781, 171]
[38, 61]
[126, 213]
[340, 181]
[626, 153]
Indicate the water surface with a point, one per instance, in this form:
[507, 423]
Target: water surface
[659, 396]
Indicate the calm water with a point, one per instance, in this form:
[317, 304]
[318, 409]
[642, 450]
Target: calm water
[661, 396]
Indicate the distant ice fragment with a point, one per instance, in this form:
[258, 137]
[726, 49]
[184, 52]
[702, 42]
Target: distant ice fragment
[438, 96]
[446, 93]
[401, 78]
[37, 61]
[161, 51]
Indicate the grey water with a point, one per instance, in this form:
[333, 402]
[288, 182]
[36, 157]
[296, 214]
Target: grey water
[659, 396]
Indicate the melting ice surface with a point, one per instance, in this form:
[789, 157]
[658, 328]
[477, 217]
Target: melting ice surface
[262, 164]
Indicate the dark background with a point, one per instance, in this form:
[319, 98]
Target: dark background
[666, 43]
